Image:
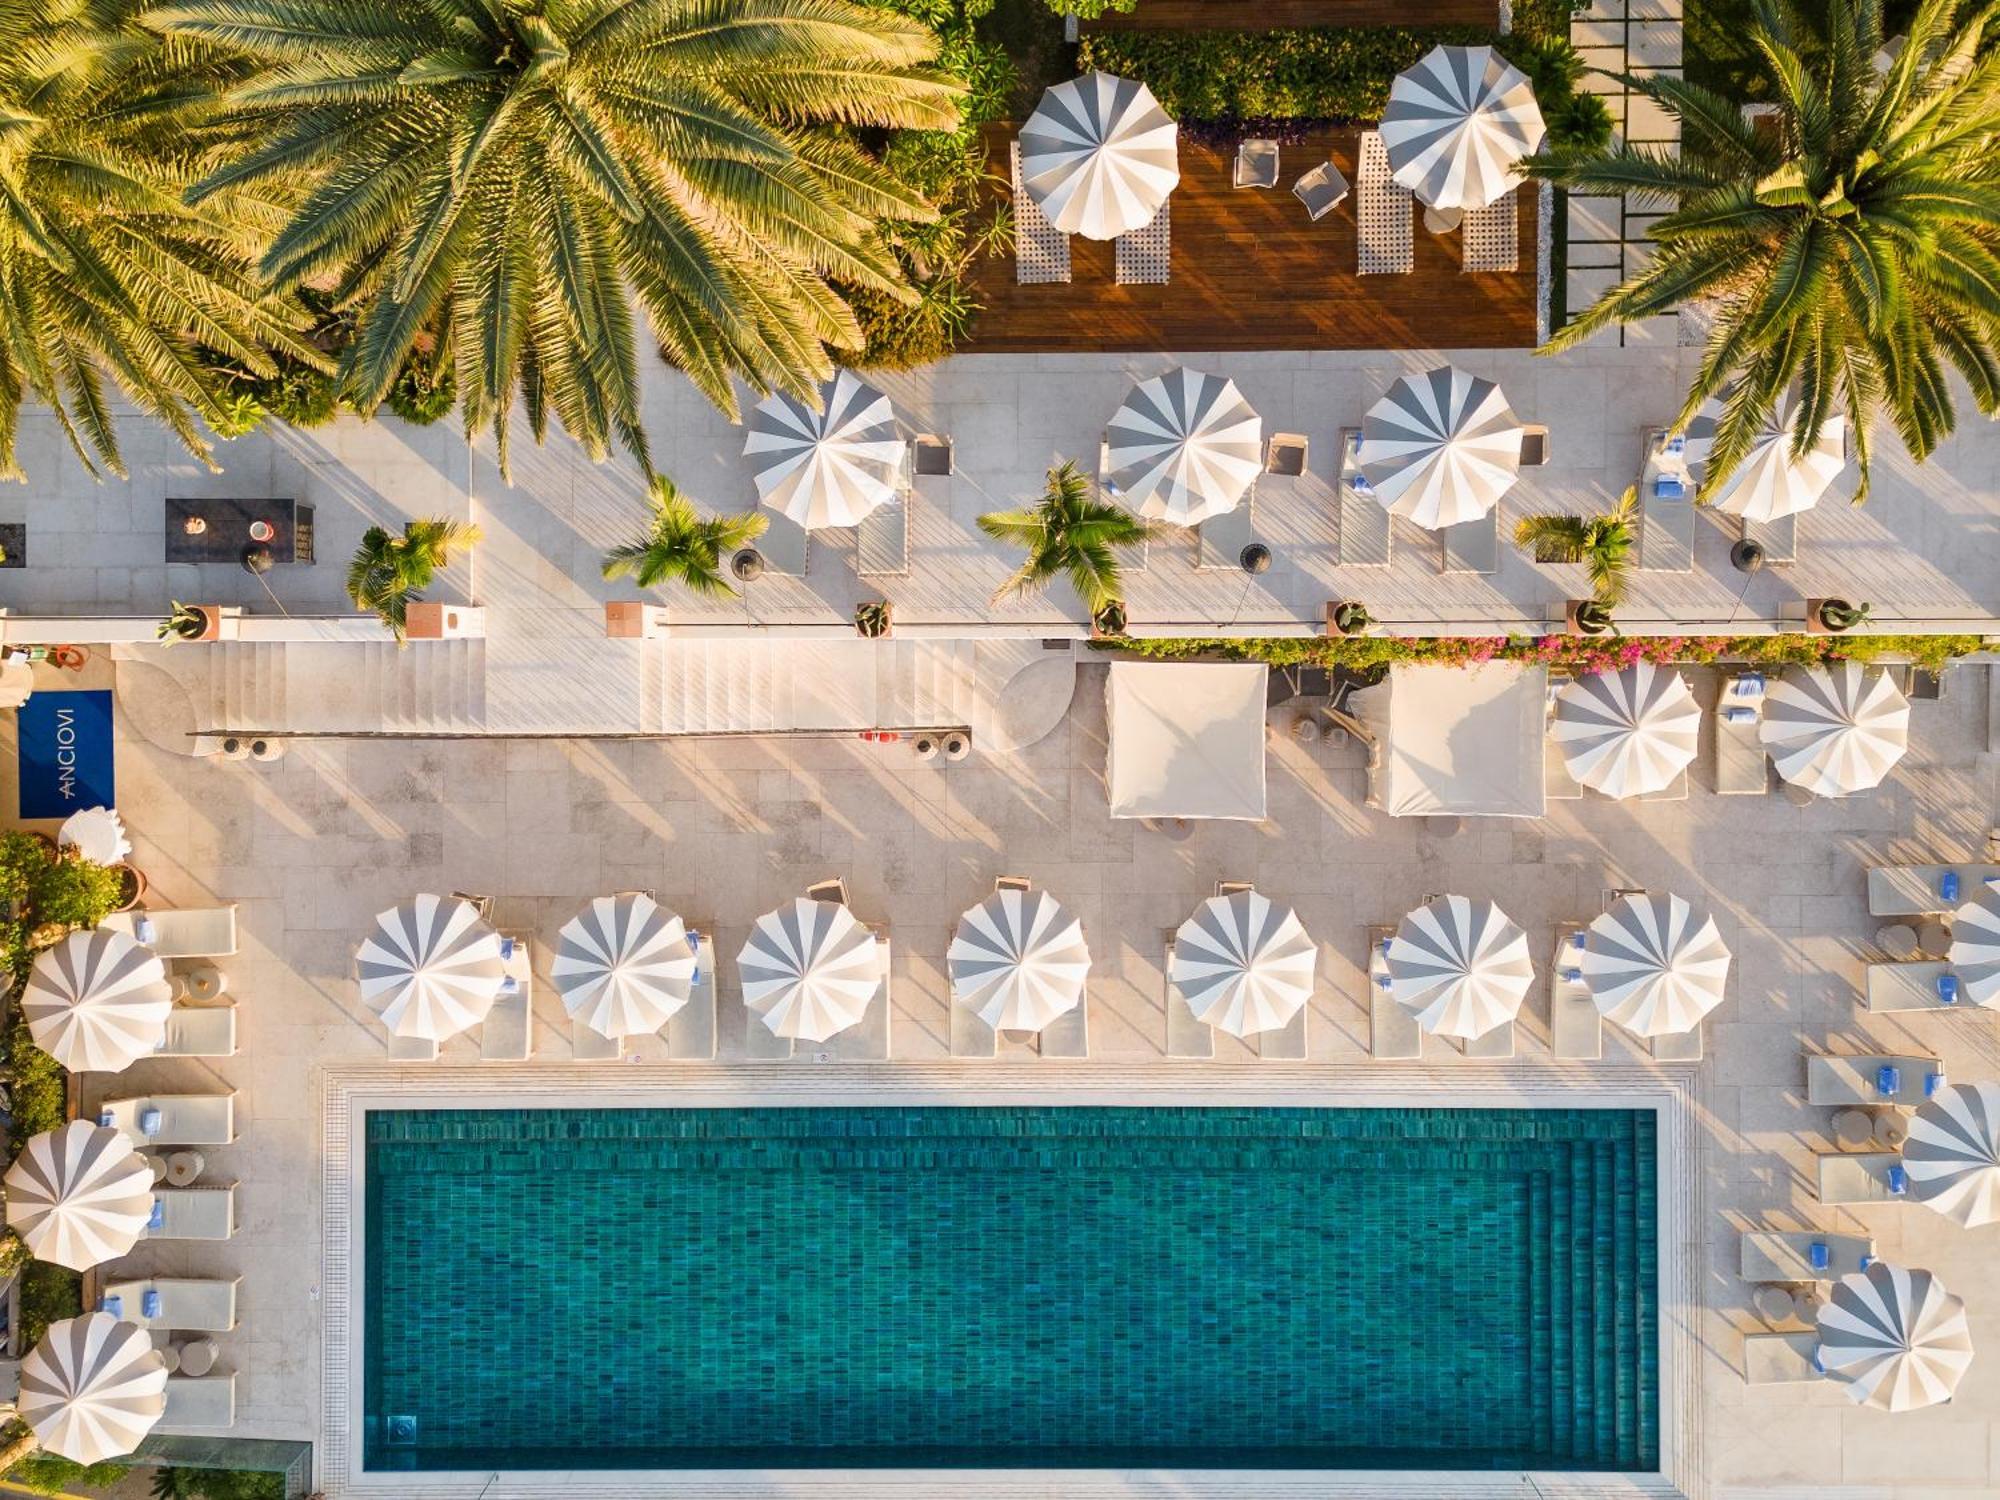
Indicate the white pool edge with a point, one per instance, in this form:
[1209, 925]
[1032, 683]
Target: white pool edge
[1673, 1094]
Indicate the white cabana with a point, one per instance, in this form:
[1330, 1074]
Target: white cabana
[623, 966]
[1460, 966]
[1018, 960]
[1629, 732]
[1441, 447]
[1655, 964]
[97, 834]
[97, 1001]
[1187, 739]
[79, 1196]
[810, 970]
[1456, 124]
[1771, 482]
[1835, 729]
[1975, 947]
[1458, 740]
[1185, 446]
[1244, 963]
[1952, 1153]
[829, 467]
[1099, 156]
[93, 1388]
[431, 968]
[1895, 1337]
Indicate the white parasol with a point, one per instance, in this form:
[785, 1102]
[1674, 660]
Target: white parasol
[97, 1001]
[1244, 963]
[1441, 447]
[1099, 156]
[829, 467]
[1835, 729]
[623, 966]
[1185, 446]
[431, 968]
[810, 969]
[1655, 964]
[1018, 960]
[1461, 966]
[1629, 732]
[79, 1196]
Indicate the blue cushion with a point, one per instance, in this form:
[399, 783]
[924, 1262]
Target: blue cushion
[113, 1304]
[158, 1217]
[1932, 1083]
[149, 1304]
[1947, 989]
[1818, 1256]
[107, 1119]
[1668, 487]
[1899, 1181]
[1888, 1080]
[150, 1121]
[1948, 885]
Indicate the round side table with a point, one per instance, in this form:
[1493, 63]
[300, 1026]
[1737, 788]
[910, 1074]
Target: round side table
[1898, 940]
[183, 1168]
[171, 1358]
[158, 1163]
[1442, 220]
[1773, 1304]
[206, 982]
[197, 1356]
[1890, 1131]
[1853, 1129]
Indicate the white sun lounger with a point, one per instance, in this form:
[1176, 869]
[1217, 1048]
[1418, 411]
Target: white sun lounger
[1186, 1036]
[1041, 251]
[1850, 1177]
[200, 1031]
[199, 1403]
[1491, 236]
[1393, 1033]
[1220, 540]
[1576, 1025]
[184, 1304]
[1286, 1043]
[1917, 890]
[181, 932]
[1678, 1046]
[1910, 986]
[1384, 213]
[194, 1213]
[1495, 1044]
[507, 1033]
[868, 1039]
[588, 1044]
[174, 1119]
[1365, 538]
[1858, 1079]
[690, 1034]
[1144, 256]
[1787, 1254]
[970, 1036]
[1666, 519]
[1780, 1358]
[1742, 767]
[1068, 1035]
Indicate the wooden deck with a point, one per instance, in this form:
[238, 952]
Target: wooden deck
[1281, 15]
[1250, 271]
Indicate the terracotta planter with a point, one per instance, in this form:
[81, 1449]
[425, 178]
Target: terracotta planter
[133, 889]
[1580, 617]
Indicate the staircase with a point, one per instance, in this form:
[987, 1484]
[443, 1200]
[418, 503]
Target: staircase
[434, 687]
[717, 686]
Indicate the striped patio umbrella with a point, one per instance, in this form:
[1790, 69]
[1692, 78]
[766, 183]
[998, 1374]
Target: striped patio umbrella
[1628, 732]
[1952, 1153]
[1897, 1338]
[93, 1388]
[97, 834]
[623, 966]
[97, 1001]
[1835, 729]
[1461, 966]
[1441, 447]
[1185, 446]
[79, 1196]
[1018, 960]
[1771, 482]
[1456, 124]
[810, 970]
[1975, 947]
[1655, 964]
[828, 467]
[431, 968]
[1099, 156]
[1244, 963]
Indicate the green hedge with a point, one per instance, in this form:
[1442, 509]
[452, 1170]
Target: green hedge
[1575, 653]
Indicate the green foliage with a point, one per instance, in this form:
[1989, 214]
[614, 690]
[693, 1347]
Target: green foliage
[238, 413]
[299, 395]
[40, 1087]
[48, 1295]
[1072, 534]
[680, 546]
[389, 573]
[1603, 542]
[183, 623]
[47, 1474]
[1089, 10]
[217, 1484]
[1582, 123]
[426, 390]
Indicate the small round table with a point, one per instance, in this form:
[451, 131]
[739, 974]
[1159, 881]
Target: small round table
[158, 1163]
[1933, 938]
[1852, 1129]
[1890, 1131]
[1442, 220]
[1898, 940]
[1442, 825]
[197, 1356]
[183, 1168]
[1773, 1304]
[171, 1358]
[206, 982]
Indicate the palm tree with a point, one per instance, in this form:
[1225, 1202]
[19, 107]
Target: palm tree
[1071, 533]
[105, 278]
[680, 547]
[1846, 246]
[509, 176]
[1603, 542]
[390, 572]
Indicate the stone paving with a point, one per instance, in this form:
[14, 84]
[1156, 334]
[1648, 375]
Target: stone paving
[312, 845]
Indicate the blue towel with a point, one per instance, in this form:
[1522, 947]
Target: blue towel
[1947, 989]
[1382, 982]
[1818, 1256]
[1668, 487]
[146, 930]
[1899, 1181]
[150, 1121]
[1578, 938]
[157, 1219]
[149, 1303]
[1572, 976]
[1867, 1261]
[506, 947]
[1932, 1083]
[1888, 1081]
[113, 1304]
[107, 1119]
[1737, 714]
[1948, 885]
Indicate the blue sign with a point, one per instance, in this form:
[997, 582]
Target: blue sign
[65, 754]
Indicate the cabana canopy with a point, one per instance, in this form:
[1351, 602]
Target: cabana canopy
[1459, 740]
[1187, 739]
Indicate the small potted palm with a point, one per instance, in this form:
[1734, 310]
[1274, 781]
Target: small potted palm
[189, 622]
[1834, 616]
[1073, 534]
[1602, 543]
[1350, 617]
[873, 618]
[680, 546]
[389, 572]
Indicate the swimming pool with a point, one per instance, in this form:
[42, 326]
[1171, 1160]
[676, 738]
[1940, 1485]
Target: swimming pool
[1017, 1286]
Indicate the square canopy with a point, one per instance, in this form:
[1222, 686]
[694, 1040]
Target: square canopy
[1187, 739]
[1461, 740]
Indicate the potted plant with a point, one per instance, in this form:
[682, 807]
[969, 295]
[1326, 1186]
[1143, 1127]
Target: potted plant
[389, 572]
[1070, 532]
[1351, 617]
[1835, 616]
[132, 886]
[872, 618]
[187, 622]
[679, 546]
[1587, 617]
[1107, 621]
[1602, 543]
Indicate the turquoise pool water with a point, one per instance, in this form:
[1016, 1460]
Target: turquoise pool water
[1044, 1287]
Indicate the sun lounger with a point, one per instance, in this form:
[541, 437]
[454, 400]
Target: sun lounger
[1384, 214]
[1393, 1033]
[970, 1036]
[1849, 1177]
[1872, 1078]
[1364, 521]
[1678, 1046]
[1802, 1255]
[200, 1031]
[1287, 1043]
[588, 1044]
[1919, 890]
[180, 932]
[1558, 785]
[1742, 768]
[1041, 251]
[1186, 1037]
[1068, 1035]
[1922, 985]
[1666, 506]
[868, 1039]
[1144, 257]
[184, 1304]
[173, 1119]
[785, 546]
[1495, 1044]
[1576, 1025]
[412, 1049]
[507, 1033]
[1490, 237]
[1220, 540]
[1781, 1358]
[193, 1213]
[882, 540]
[199, 1403]
[1472, 546]
[690, 1033]
[1321, 190]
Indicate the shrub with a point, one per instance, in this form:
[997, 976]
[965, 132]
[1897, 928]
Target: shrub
[1088, 10]
[47, 1474]
[40, 1088]
[48, 1295]
[300, 395]
[425, 391]
[217, 1484]
[1583, 123]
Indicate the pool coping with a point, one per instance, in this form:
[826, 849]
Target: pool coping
[1673, 1094]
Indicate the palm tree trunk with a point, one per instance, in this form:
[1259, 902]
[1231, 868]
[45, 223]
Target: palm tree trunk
[19, 1449]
